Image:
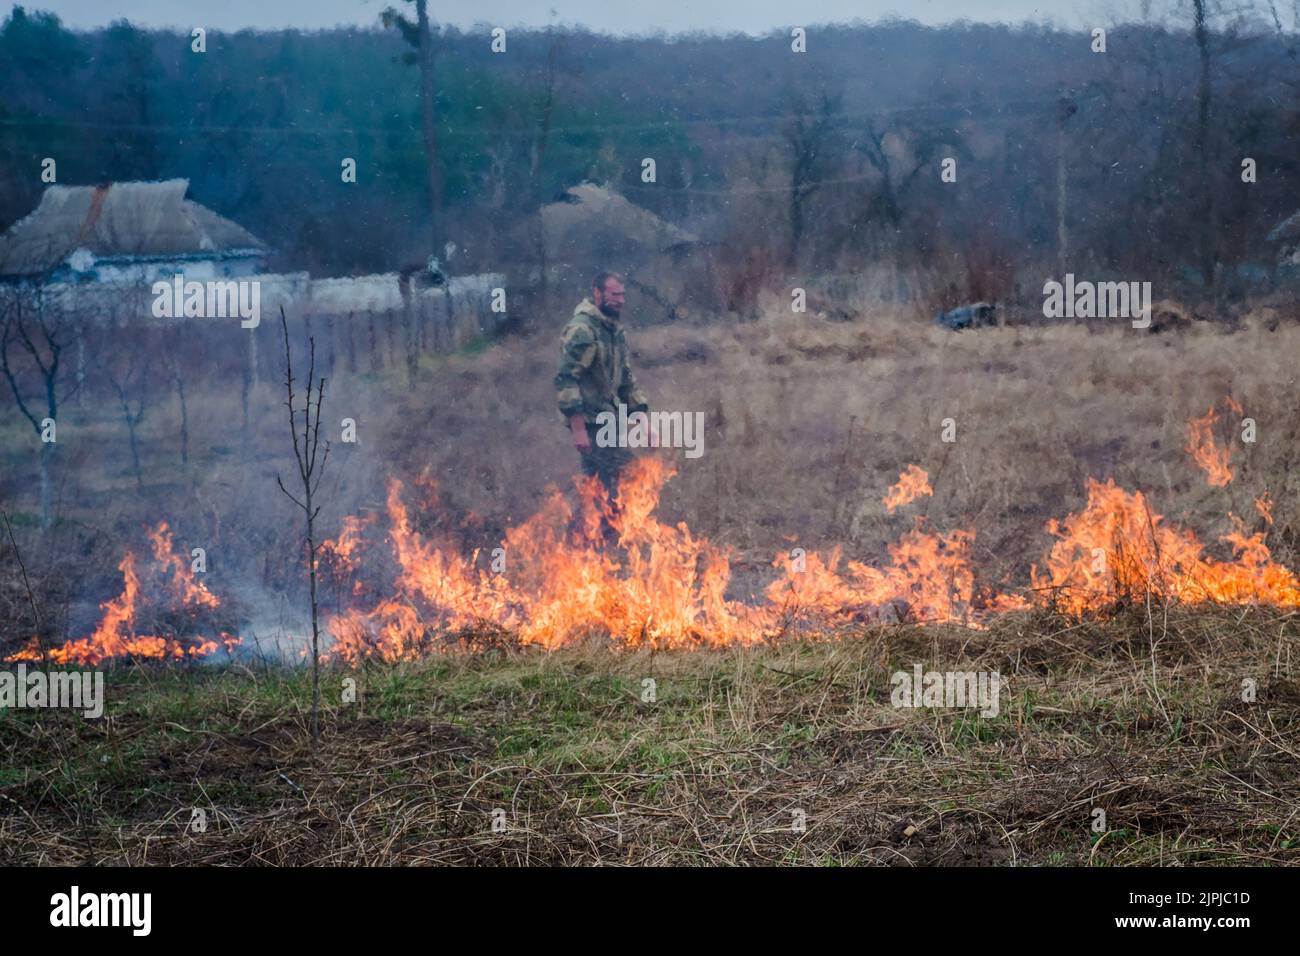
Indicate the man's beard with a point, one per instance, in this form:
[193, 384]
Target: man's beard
[608, 310]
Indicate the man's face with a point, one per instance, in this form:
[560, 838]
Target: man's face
[610, 299]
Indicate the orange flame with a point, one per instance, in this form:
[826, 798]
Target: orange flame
[1118, 549]
[929, 578]
[1264, 505]
[342, 551]
[1209, 455]
[117, 634]
[662, 587]
[554, 580]
[912, 484]
[185, 590]
[665, 589]
[340, 554]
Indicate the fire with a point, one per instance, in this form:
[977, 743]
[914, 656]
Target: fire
[185, 590]
[118, 633]
[1118, 549]
[929, 578]
[912, 484]
[662, 587]
[554, 579]
[339, 555]
[1209, 455]
[665, 588]
[1264, 505]
[342, 551]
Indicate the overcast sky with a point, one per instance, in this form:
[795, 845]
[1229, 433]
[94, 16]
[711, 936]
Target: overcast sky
[609, 16]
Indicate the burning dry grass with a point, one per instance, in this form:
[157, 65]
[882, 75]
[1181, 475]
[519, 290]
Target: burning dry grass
[1140, 715]
[126, 628]
[663, 588]
[809, 427]
[809, 424]
[924, 546]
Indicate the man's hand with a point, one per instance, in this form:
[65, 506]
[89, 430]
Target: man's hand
[578, 428]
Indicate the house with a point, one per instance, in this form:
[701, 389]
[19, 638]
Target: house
[132, 232]
[593, 228]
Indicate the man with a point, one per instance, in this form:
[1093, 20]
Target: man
[595, 377]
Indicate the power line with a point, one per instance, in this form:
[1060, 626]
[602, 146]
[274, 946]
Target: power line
[661, 125]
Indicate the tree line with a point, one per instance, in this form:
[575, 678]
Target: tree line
[1129, 158]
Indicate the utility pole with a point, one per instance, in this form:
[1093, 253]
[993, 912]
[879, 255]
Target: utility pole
[1066, 107]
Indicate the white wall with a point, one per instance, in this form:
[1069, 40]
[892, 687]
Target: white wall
[456, 311]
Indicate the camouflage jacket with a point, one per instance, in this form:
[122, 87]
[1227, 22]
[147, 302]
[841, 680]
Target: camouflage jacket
[594, 374]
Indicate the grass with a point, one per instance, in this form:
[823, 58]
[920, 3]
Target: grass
[735, 748]
[807, 424]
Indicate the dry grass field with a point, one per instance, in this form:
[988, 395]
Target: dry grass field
[787, 751]
[809, 422]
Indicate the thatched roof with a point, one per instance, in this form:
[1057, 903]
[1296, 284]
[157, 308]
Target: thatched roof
[596, 218]
[121, 220]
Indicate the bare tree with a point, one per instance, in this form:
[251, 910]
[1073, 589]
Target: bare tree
[127, 368]
[179, 378]
[42, 339]
[1065, 108]
[36, 614]
[310, 470]
[918, 146]
[809, 138]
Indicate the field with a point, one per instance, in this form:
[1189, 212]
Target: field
[785, 750]
[775, 755]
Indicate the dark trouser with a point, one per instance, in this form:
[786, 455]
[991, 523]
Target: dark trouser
[606, 465]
